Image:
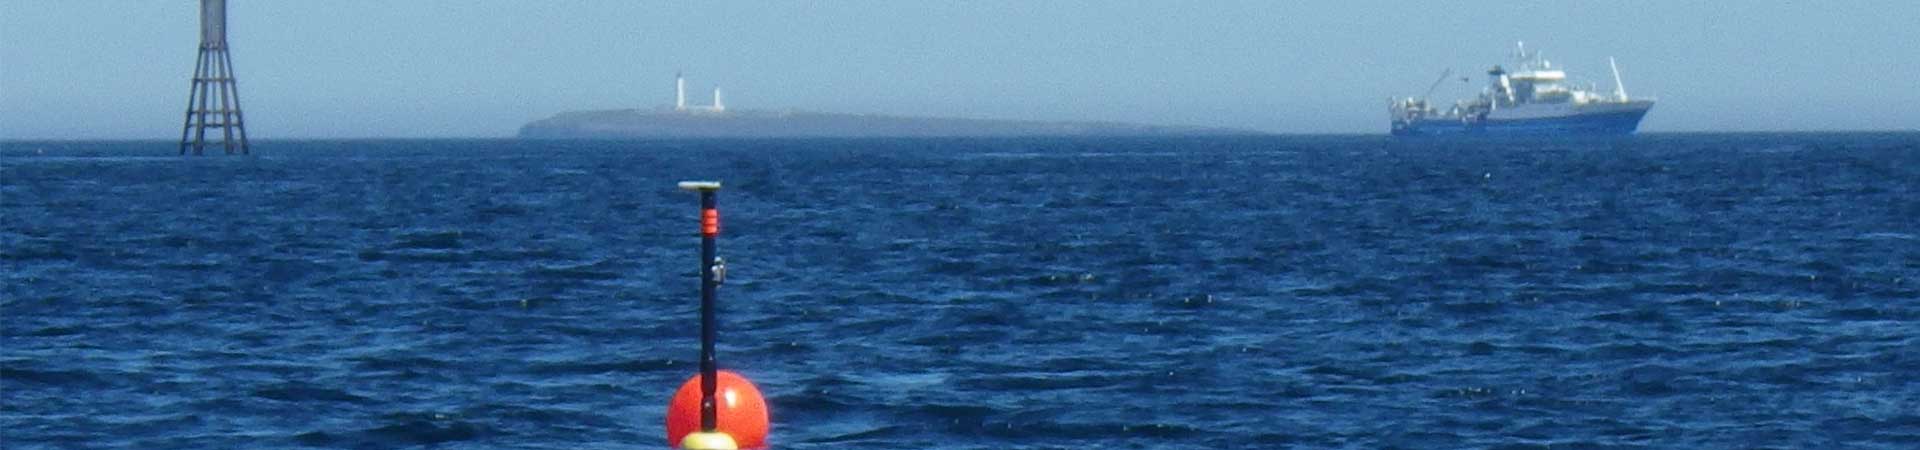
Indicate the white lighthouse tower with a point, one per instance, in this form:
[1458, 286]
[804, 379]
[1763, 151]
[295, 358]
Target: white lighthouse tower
[717, 105]
[679, 92]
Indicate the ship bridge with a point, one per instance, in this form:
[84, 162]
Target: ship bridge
[1539, 76]
[1540, 86]
[1535, 81]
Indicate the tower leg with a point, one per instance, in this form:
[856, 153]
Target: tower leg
[226, 104]
[200, 111]
[199, 65]
[239, 118]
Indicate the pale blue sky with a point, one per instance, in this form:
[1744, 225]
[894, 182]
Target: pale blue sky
[480, 68]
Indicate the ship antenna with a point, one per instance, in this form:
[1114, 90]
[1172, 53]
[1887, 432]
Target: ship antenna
[1619, 89]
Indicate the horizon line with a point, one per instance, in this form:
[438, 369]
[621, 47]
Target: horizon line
[1250, 133]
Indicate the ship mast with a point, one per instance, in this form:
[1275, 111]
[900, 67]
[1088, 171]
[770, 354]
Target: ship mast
[1436, 83]
[1619, 89]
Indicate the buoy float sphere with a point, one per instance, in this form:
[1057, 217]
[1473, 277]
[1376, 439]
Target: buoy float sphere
[739, 411]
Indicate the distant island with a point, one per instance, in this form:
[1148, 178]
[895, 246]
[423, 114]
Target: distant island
[683, 120]
[707, 123]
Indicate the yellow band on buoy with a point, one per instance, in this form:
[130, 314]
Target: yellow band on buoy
[708, 441]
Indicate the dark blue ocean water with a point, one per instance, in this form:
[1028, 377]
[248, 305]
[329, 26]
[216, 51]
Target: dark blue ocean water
[1663, 291]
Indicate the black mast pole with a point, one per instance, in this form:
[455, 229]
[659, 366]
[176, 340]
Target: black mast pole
[710, 271]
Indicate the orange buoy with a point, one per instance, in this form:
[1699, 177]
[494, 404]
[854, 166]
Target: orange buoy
[740, 411]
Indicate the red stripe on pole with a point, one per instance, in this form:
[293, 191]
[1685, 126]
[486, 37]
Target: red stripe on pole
[710, 222]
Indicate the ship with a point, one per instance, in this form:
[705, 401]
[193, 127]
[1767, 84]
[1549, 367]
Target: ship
[1534, 98]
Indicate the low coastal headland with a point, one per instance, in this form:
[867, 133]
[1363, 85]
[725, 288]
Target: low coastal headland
[669, 123]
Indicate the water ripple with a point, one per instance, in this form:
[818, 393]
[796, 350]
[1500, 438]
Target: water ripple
[1357, 292]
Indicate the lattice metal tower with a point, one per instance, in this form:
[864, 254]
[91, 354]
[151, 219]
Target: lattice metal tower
[214, 101]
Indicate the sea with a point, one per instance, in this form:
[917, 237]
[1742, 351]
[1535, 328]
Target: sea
[1654, 291]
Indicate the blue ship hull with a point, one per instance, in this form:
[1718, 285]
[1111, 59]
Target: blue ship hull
[1609, 123]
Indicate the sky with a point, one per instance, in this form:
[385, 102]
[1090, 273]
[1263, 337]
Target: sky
[120, 69]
